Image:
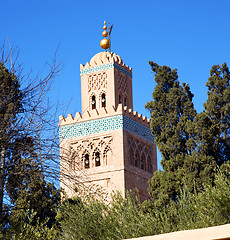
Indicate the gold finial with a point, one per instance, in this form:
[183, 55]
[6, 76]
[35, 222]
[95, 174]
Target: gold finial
[104, 27]
[105, 42]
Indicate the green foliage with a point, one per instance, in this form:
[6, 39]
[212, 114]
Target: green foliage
[95, 219]
[171, 112]
[208, 208]
[192, 145]
[30, 229]
[39, 197]
[10, 105]
[27, 201]
[10, 98]
[87, 218]
[128, 218]
[214, 123]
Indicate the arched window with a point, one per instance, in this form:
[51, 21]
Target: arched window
[86, 161]
[93, 102]
[137, 159]
[97, 159]
[150, 167]
[120, 99]
[131, 156]
[143, 161]
[103, 100]
[125, 101]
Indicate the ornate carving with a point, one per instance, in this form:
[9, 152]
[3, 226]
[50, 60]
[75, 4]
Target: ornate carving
[79, 149]
[122, 83]
[140, 154]
[97, 81]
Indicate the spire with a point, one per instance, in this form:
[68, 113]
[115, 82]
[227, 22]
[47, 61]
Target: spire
[105, 42]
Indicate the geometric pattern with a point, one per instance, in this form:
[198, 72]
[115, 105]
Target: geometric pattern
[97, 81]
[104, 125]
[105, 67]
[138, 129]
[122, 83]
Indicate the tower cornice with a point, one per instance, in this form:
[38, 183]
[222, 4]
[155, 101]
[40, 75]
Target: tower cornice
[103, 61]
[105, 67]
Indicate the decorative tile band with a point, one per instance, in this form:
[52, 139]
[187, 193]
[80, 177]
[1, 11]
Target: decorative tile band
[137, 128]
[105, 67]
[90, 127]
[121, 69]
[104, 125]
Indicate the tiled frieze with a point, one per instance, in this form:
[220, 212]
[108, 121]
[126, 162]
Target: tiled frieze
[104, 125]
[137, 128]
[121, 69]
[90, 127]
[105, 67]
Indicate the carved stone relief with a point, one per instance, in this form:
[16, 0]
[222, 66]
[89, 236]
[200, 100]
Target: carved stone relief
[98, 151]
[140, 154]
[122, 81]
[97, 81]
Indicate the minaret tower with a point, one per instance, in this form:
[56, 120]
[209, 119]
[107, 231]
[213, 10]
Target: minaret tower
[107, 145]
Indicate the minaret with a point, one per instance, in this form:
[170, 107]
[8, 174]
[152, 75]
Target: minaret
[107, 145]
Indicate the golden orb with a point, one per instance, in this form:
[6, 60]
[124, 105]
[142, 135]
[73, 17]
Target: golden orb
[105, 43]
[105, 34]
[104, 27]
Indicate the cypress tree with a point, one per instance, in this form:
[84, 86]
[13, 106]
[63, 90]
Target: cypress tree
[192, 145]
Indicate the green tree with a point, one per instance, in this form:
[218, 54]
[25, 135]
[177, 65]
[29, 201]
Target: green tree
[127, 218]
[28, 148]
[95, 219]
[213, 124]
[10, 105]
[172, 114]
[192, 145]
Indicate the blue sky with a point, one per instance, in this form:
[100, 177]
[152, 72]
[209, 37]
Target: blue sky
[188, 35]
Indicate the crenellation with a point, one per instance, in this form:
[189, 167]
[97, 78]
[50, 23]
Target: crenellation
[69, 118]
[93, 64]
[119, 108]
[61, 119]
[104, 112]
[77, 117]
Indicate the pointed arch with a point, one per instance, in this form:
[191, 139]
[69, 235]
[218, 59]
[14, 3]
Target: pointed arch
[97, 158]
[93, 101]
[120, 98]
[137, 158]
[131, 156]
[149, 162]
[107, 155]
[86, 160]
[143, 161]
[103, 100]
[125, 100]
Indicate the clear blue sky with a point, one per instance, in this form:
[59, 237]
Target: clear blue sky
[188, 35]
